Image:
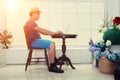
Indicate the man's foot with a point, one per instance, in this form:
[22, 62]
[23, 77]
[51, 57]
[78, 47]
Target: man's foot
[55, 69]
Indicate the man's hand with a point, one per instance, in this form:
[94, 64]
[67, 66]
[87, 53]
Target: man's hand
[58, 32]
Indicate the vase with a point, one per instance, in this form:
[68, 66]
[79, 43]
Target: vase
[2, 57]
[106, 66]
[115, 47]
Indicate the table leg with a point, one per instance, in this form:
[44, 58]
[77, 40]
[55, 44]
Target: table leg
[65, 59]
[69, 62]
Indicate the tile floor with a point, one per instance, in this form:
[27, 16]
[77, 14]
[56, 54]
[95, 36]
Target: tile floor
[40, 72]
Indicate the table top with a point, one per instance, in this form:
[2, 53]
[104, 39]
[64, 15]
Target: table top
[64, 36]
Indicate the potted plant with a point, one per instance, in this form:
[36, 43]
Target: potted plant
[111, 31]
[97, 48]
[107, 59]
[5, 41]
[5, 37]
[106, 56]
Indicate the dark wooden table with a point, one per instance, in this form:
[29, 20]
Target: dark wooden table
[64, 58]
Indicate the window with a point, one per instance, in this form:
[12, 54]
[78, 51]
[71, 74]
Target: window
[81, 17]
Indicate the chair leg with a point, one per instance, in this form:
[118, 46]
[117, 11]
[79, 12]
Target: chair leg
[28, 59]
[46, 57]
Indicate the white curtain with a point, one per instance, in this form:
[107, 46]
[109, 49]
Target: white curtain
[112, 8]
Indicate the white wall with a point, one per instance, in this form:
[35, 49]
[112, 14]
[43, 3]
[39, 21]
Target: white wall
[2, 14]
[77, 55]
[79, 17]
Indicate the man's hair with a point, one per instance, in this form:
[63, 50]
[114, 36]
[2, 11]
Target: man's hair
[34, 10]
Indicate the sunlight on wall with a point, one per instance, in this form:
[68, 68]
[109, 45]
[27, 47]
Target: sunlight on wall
[81, 18]
[11, 4]
[2, 15]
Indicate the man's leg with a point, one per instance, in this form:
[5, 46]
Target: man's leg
[43, 43]
[52, 52]
[52, 55]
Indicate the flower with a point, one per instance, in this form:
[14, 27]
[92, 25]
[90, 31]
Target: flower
[102, 48]
[104, 29]
[111, 30]
[113, 56]
[108, 43]
[110, 23]
[101, 45]
[5, 37]
[111, 36]
[116, 20]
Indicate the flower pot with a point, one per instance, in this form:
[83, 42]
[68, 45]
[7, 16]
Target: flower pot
[2, 57]
[106, 66]
[115, 47]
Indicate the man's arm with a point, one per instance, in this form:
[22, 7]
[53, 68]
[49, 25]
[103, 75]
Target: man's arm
[47, 32]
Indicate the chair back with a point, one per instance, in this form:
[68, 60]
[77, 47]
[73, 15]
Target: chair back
[27, 37]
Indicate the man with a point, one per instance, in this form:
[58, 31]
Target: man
[34, 33]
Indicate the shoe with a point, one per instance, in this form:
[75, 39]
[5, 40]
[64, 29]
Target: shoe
[56, 70]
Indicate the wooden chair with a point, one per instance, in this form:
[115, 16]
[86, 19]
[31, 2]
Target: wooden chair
[34, 59]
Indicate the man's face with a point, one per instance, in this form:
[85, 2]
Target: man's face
[36, 15]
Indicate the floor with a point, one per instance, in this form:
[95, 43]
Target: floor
[40, 72]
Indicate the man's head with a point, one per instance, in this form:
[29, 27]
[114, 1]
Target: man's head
[34, 13]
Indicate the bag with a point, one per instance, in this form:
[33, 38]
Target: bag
[117, 73]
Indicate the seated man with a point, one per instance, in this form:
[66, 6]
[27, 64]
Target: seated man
[34, 33]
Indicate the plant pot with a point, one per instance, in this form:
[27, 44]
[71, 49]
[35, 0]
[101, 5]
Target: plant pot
[2, 57]
[106, 66]
[115, 47]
